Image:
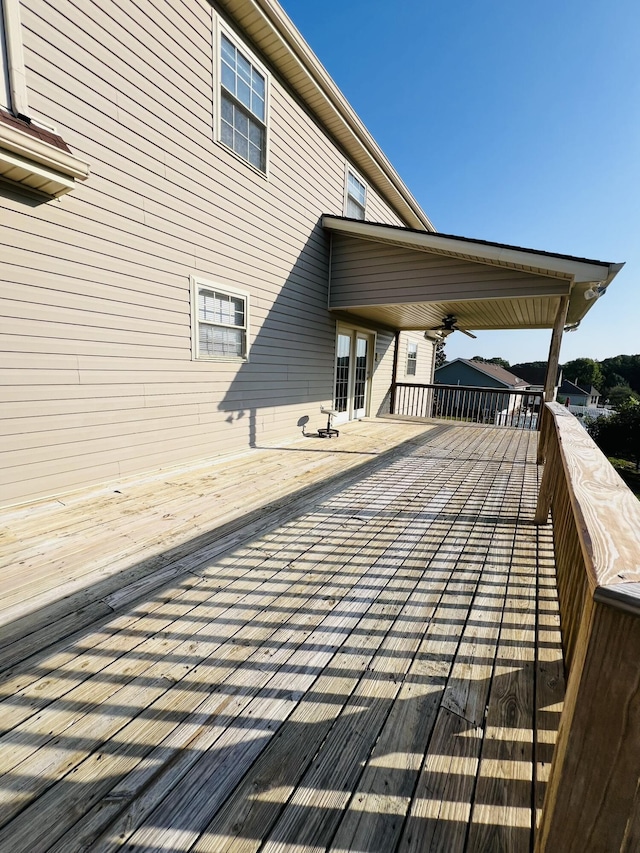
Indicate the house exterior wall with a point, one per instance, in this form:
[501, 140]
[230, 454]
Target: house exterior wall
[97, 373]
[424, 359]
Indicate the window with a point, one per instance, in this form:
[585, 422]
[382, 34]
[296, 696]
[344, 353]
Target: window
[220, 321]
[412, 359]
[355, 197]
[243, 105]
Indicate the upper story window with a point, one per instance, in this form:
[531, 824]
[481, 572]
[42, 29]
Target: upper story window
[355, 197]
[412, 358]
[243, 104]
[220, 321]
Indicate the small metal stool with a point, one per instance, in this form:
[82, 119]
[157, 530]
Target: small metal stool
[328, 431]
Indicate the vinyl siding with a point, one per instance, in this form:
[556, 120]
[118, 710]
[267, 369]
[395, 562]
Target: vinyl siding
[424, 360]
[97, 375]
[367, 273]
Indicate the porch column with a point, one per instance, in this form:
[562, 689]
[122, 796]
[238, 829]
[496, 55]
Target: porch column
[394, 374]
[554, 350]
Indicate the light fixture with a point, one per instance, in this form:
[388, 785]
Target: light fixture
[595, 292]
[572, 327]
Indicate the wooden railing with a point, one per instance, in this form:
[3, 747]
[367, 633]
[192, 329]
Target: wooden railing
[516, 409]
[593, 797]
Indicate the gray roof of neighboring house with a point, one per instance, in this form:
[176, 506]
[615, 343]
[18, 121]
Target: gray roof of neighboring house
[493, 370]
[569, 387]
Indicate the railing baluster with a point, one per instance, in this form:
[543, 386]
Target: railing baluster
[463, 403]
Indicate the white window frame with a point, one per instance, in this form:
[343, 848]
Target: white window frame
[222, 29]
[350, 171]
[13, 57]
[412, 359]
[197, 284]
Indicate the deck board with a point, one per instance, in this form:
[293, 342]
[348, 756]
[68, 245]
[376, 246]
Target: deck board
[372, 665]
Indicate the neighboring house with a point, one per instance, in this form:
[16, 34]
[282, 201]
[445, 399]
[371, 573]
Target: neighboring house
[496, 405]
[535, 377]
[479, 374]
[578, 396]
[196, 255]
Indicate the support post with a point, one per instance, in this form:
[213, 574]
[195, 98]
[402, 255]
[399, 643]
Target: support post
[554, 350]
[394, 374]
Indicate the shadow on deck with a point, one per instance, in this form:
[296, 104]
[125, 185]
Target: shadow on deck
[378, 669]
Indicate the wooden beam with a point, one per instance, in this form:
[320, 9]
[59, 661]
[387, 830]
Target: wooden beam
[554, 350]
[394, 373]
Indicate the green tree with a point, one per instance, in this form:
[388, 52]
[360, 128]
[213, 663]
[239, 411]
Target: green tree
[441, 356]
[619, 434]
[501, 362]
[621, 369]
[585, 372]
[621, 394]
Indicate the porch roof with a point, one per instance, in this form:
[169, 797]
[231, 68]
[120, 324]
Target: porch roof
[408, 279]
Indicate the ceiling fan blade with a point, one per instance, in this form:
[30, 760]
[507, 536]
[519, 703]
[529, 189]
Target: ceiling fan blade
[466, 332]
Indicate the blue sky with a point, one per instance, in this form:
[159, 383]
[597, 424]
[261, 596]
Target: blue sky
[509, 121]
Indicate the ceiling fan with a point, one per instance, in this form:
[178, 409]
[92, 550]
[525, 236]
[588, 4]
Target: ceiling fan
[450, 324]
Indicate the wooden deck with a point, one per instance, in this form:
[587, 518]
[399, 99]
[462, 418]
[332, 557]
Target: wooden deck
[370, 662]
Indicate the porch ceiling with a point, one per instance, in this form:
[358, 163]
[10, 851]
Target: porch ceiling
[408, 279]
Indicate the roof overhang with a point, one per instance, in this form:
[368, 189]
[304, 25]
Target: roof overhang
[274, 34]
[408, 279]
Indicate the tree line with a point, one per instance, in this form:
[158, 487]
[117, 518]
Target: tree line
[617, 378]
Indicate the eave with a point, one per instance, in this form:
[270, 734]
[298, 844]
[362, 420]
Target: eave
[34, 163]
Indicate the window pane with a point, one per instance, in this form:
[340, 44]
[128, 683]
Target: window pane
[241, 145]
[257, 106]
[228, 78]
[257, 83]
[255, 157]
[244, 68]
[356, 189]
[228, 51]
[255, 134]
[354, 210]
[226, 134]
[244, 93]
[222, 342]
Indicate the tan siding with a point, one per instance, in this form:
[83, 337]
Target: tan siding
[95, 363]
[382, 374]
[367, 273]
[424, 361]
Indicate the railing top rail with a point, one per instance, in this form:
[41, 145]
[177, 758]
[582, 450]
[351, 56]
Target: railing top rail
[469, 388]
[606, 511]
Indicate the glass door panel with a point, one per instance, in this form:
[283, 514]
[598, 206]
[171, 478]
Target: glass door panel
[343, 370]
[360, 377]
